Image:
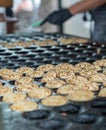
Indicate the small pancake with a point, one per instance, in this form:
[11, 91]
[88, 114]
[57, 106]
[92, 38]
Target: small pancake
[27, 87]
[64, 66]
[81, 95]
[40, 93]
[24, 80]
[76, 80]
[54, 101]
[24, 70]
[23, 106]
[84, 65]
[101, 63]
[99, 77]
[64, 74]
[13, 97]
[89, 85]
[66, 88]
[5, 90]
[102, 92]
[1, 84]
[55, 83]
[45, 67]
[36, 74]
[11, 76]
[5, 71]
[50, 75]
[87, 73]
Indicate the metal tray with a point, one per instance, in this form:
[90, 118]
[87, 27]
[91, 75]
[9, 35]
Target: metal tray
[78, 116]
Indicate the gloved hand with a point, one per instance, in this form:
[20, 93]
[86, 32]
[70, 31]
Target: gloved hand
[58, 17]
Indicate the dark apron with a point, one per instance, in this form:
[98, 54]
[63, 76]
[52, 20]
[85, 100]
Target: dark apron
[99, 16]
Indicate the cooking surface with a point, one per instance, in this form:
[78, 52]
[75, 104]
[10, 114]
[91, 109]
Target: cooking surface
[73, 53]
[90, 115]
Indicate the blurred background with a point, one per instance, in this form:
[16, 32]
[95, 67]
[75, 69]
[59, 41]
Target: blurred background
[25, 12]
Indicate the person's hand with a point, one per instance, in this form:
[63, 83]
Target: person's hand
[58, 17]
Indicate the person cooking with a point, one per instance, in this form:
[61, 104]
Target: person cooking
[98, 9]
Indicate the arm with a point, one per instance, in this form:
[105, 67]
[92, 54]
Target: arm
[85, 5]
[60, 16]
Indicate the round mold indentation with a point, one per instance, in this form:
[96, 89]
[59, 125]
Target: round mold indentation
[82, 59]
[28, 63]
[3, 61]
[39, 51]
[36, 65]
[54, 49]
[90, 59]
[78, 49]
[99, 56]
[51, 124]
[104, 112]
[0, 77]
[1, 98]
[92, 48]
[31, 48]
[37, 114]
[81, 56]
[74, 44]
[63, 46]
[47, 61]
[84, 118]
[103, 45]
[21, 64]
[72, 55]
[30, 55]
[10, 65]
[55, 62]
[68, 109]
[71, 47]
[17, 66]
[88, 51]
[99, 103]
[7, 57]
[6, 54]
[1, 58]
[15, 49]
[31, 65]
[103, 51]
[11, 82]
[73, 61]
[21, 60]
[104, 57]
[37, 79]
[37, 59]
[63, 52]
[55, 57]
[45, 47]
[14, 57]
[83, 45]
[49, 57]
[94, 54]
[21, 52]
[63, 59]
[47, 54]
[2, 50]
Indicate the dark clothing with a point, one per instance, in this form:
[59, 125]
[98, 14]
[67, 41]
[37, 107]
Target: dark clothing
[9, 12]
[99, 16]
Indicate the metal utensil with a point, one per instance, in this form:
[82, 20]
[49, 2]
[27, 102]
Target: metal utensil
[33, 27]
[36, 24]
